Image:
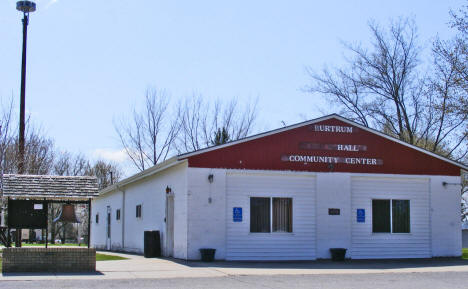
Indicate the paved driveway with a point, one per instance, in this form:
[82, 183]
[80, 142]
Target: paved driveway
[154, 268]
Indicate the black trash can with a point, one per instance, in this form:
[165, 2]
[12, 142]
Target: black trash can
[338, 254]
[152, 244]
[207, 255]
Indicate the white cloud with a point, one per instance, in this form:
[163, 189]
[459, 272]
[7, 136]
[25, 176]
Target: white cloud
[118, 156]
[51, 2]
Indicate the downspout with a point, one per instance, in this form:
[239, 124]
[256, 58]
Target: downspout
[122, 215]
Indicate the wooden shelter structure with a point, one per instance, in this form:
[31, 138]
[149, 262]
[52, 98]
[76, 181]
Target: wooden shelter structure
[29, 196]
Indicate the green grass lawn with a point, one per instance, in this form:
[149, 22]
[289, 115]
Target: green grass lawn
[465, 253]
[105, 257]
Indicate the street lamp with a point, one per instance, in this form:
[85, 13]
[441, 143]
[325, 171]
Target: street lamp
[25, 7]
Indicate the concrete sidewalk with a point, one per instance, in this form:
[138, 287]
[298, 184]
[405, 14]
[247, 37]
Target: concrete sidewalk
[140, 267]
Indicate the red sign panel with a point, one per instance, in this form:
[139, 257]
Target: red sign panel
[329, 145]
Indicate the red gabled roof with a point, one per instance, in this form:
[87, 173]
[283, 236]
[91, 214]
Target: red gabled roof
[330, 143]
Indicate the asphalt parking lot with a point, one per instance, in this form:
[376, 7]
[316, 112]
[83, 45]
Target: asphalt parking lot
[428, 280]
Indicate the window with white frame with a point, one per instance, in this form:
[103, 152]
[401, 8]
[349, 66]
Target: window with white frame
[97, 218]
[270, 215]
[117, 214]
[390, 216]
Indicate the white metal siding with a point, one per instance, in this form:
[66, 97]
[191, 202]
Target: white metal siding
[206, 212]
[99, 231]
[416, 244]
[298, 245]
[445, 216]
[150, 193]
[333, 231]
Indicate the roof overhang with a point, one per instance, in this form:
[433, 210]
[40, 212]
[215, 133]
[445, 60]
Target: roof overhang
[49, 187]
[143, 174]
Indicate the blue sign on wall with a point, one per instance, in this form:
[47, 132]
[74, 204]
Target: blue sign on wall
[237, 214]
[361, 215]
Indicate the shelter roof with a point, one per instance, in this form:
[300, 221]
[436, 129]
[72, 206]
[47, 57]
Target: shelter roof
[49, 187]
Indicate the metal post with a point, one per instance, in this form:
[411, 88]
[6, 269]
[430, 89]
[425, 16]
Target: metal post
[9, 238]
[23, 96]
[89, 223]
[22, 112]
[47, 225]
[8, 228]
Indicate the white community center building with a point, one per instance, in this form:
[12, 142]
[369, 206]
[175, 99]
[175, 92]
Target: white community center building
[290, 194]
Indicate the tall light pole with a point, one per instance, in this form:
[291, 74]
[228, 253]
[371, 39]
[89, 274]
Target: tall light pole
[26, 7]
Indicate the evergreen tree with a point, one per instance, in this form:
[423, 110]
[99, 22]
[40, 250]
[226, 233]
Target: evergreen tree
[221, 136]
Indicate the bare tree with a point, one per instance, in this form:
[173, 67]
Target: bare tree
[201, 121]
[6, 132]
[38, 156]
[68, 165]
[377, 87]
[446, 113]
[149, 136]
[458, 47]
[383, 87]
[449, 84]
[106, 173]
[5, 142]
[451, 63]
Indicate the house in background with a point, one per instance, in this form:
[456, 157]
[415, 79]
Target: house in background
[291, 194]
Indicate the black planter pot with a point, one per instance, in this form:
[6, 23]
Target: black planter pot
[207, 255]
[338, 254]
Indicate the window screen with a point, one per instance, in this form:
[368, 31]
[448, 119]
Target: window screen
[400, 216]
[282, 215]
[381, 216]
[259, 215]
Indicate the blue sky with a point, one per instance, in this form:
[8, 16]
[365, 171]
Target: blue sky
[91, 61]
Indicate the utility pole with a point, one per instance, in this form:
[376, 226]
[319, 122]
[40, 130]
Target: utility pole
[25, 7]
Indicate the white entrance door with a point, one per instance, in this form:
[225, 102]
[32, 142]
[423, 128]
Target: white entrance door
[108, 228]
[169, 250]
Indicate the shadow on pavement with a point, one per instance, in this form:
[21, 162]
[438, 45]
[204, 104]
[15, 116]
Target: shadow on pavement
[328, 264]
[48, 274]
